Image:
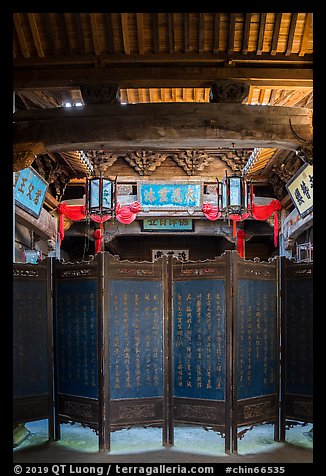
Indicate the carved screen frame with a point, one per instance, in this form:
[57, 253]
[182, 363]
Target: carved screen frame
[294, 406]
[37, 407]
[198, 411]
[73, 408]
[265, 408]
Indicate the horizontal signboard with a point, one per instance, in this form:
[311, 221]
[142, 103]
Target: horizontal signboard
[155, 195]
[30, 190]
[168, 224]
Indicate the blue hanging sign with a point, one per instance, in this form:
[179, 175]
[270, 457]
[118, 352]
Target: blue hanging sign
[155, 195]
[30, 190]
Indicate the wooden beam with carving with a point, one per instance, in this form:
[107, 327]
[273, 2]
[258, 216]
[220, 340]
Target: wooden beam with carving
[184, 125]
[192, 161]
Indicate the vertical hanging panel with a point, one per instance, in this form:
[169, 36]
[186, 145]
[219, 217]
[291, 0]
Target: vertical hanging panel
[32, 343]
[134, 310]
[297, 342]
[77, 331]
[201, 386]
[256, 344]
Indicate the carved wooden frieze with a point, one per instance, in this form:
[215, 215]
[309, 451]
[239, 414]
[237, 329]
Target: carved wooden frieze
[145, 162]
[192, 161]
[258, 410]
[198, 412]
[303, 408]
[229, 91]
[25, 153]
[285, 170]
[100, 93]
[77, 409]
[136, 412]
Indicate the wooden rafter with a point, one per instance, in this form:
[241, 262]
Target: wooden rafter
[276, 32]
[109, 32]
[156, 33]
[231, 33]
[21, 36]
[306, 34]
[49, 34]
[65, 30]
[171, 32]
[94, 30]
[216, 35]
[201, 25]
[293, 24]
[80, 35]
[125, 33]
[260, 42]
[186, 32]
[35, 34]
[140, 33]
[246, 34]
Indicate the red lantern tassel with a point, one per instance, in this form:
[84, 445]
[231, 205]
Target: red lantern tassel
[241, 237]
[275, 227]
[234, 228]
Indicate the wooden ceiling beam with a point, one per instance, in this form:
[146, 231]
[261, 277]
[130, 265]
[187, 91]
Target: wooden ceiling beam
[166, 124]
[21, 36]
[65, 29]
[306, 34]
[167, 59]
[293, 24]
[157, 76]
[35, 34]
[49, 34]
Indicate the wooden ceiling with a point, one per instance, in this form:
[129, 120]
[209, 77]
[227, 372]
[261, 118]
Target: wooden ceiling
[163, 57]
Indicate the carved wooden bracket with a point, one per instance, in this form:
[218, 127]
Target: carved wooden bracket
[236, 161]
[100, 93]
[101, 159]
[192, 161]
[229, 91]
[25, 153]
[145, 162]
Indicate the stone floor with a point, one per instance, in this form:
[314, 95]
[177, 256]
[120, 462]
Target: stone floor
[144, 445]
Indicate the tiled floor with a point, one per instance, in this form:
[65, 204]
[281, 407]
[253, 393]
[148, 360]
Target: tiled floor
[144, 445]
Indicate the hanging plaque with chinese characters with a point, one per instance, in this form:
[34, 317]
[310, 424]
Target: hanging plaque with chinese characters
[30, 190]
[77, 356]
[136, 339]
[199, 317]
[300, 189]
[257, 338]
[169, 196]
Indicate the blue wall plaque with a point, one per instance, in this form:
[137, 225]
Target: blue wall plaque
[30, 190]
[199, 339]
[77, 356]
[257, 338]
[299, 337]
[169, 196]
[30, 339]
[136, 321]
